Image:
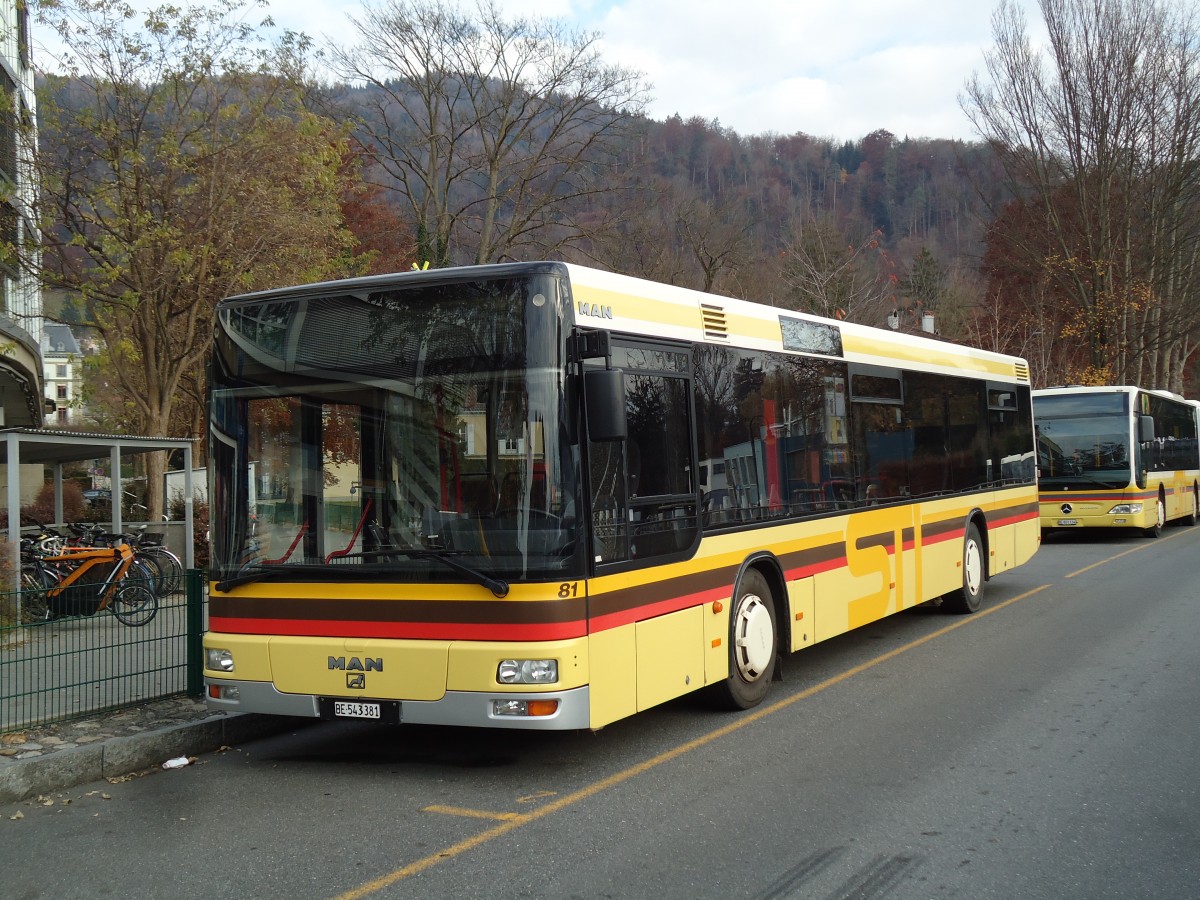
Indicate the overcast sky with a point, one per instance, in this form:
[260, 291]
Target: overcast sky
[839, 70]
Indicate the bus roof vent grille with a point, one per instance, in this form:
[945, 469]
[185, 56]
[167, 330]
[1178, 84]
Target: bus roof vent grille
[1023, 372]
[715, 326]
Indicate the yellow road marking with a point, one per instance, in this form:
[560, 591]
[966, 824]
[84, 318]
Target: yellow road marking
[1125, 553]
[470, 813]
[533, 798]
[518, 821]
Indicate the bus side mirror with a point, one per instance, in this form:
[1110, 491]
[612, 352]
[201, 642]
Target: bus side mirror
[604, 398]
[1145, 429]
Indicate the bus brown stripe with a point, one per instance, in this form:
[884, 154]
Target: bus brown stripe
[472, 612]
[652, 592]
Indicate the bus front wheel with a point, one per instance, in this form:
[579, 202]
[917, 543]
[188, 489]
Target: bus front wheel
[753, 645]
[1160, 518]
[969, 597]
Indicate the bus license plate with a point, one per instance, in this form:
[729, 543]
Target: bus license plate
[1068, 521]
[347, 710]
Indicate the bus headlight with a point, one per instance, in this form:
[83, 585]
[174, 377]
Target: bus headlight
[527, 671]
[1125, 509]
[218, 660]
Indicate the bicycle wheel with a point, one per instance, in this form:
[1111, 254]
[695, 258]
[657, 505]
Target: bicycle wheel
[34, 584]
[169, 565]
[146, 567]
[134, 604]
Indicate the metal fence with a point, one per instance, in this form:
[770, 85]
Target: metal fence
[66, 668]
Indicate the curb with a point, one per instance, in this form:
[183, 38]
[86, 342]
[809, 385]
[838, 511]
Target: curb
[123, 755]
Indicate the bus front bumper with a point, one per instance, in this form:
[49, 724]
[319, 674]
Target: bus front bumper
[464, 708]
[1109, 514]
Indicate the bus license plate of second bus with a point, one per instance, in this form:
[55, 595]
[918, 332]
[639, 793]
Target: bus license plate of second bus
[347, 710]
[1068, 521]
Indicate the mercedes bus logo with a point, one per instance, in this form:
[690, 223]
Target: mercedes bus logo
[1066, 508]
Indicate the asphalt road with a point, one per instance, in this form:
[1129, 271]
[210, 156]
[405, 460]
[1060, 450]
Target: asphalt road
[1045, 747]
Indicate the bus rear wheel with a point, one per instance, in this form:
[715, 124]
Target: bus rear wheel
[969, 597]
[753, 645]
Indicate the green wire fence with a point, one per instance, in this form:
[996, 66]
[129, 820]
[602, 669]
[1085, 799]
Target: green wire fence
[54, 670]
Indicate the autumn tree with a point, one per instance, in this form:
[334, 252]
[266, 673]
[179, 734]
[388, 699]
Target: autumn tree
[1099, 133]
[178, 166]
[382, 238]
[493, 132]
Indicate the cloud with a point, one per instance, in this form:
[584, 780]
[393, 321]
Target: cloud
[757, 66]
[821, 68]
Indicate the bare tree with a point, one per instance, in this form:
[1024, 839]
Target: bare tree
[1100, 133]
[832, 274]
[717, 234]
[492, 131]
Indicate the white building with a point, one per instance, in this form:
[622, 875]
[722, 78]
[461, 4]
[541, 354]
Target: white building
[62, 367]
[21, 396]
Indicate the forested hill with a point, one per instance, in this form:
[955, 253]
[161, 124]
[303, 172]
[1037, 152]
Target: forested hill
[861, 229]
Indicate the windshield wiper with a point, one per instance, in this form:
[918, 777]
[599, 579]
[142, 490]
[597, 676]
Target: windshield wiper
[260, 571]
[498, 586]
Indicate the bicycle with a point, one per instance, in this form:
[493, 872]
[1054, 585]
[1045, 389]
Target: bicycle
[85, 580]
[150, 547]
[165, 567]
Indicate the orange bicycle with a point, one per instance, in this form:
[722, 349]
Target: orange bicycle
[82, 581]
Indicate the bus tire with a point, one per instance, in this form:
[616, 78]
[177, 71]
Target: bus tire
[753, 645]
[1194, 516]
[969, 597]
[1160, 518]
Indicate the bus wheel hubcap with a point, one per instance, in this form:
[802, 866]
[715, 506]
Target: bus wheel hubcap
[754, 638]
[973, 567]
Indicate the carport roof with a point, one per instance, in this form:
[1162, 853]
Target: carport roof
[40, 445]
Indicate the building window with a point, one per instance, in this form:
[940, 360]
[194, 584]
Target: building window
[62, 392]
[8, 130]
[60, 371]
[63, 415]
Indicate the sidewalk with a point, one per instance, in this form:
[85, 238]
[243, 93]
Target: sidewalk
[56, 757]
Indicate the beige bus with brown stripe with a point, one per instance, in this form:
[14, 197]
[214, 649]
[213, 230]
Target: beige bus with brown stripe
[537, 495]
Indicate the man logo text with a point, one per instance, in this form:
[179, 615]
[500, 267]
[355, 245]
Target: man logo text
[354, 664]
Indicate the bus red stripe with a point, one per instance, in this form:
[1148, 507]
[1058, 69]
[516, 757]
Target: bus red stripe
[441, 631]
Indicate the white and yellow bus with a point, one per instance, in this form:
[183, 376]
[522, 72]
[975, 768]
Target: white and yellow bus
[538, 495]
[1116, 457]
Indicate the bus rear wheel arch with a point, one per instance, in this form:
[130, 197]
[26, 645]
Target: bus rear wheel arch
[753, 644]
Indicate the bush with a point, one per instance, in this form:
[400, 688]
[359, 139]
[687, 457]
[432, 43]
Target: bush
[42, 509]
[176, 512]
[200, 535]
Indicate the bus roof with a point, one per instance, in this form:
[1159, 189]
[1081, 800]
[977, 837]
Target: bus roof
[1108, 389]
[636, 306]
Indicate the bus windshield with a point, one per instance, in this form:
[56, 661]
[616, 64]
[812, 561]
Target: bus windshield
[1084, 440]
[415, 434]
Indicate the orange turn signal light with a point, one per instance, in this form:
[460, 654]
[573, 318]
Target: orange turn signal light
[543, 707]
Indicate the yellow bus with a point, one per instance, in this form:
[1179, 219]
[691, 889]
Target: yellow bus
[1116, 457]
[538, 495]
